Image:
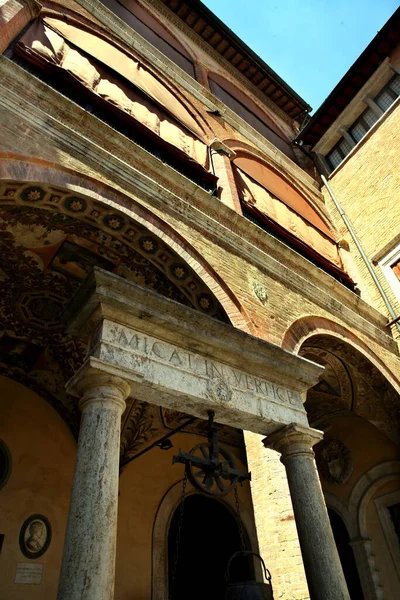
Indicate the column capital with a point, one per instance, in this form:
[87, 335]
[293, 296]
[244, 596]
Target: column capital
[92, 384]
[293, 439]
[222, 148]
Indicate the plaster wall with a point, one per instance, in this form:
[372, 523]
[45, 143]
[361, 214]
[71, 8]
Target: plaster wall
[143, 484]
[368, 446]
[43, 456]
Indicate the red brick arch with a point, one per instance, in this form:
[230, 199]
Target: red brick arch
[19, 169]
[311, 325]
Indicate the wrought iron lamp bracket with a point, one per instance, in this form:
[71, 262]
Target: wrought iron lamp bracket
[211, 468]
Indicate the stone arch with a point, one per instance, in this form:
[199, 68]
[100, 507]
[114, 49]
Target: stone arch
[365, 488]
[340, 507]
[164, 515]
[360, 497]
[18, 173]
[311, 325]
[374, 436]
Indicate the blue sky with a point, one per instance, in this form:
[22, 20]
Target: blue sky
[309, 43]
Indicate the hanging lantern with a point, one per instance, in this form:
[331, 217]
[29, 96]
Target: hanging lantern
[248, 590]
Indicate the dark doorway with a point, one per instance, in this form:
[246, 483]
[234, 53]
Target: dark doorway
[210, 535]
[346, 556]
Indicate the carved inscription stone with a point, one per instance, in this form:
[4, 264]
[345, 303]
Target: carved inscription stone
[29, 573]
[177, 378]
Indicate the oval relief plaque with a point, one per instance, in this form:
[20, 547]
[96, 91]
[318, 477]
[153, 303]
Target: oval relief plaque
[334, 461]
[35, 536]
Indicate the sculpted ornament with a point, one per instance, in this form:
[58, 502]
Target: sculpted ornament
[260, 291]
[35, 536]
[334, 461]
[218, 390]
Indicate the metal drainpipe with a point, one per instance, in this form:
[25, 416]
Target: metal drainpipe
[361, 251]
[395, 318]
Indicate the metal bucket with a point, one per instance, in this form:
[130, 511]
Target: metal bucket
[248, 590]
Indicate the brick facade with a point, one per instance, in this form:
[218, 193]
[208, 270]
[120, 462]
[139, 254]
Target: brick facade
[264, 286]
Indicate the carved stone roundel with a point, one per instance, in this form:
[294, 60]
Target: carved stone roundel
[219, 390]
[334, 461]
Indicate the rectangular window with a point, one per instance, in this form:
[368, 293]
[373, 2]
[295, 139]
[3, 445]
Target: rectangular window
[390, 265]
[344, 146]
[339, 152]
[368, 118]
[385, 99]
[396, 268]
[395, 85]
[358, 131]
[335, 158]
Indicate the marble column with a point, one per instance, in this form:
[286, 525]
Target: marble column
[88, 566]
[321, 560]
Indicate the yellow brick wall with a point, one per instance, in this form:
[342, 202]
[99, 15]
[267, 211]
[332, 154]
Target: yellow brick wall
[367, 185]
[276, 528]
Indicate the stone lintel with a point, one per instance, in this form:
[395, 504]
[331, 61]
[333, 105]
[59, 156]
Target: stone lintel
[105, 296]
[183, 360]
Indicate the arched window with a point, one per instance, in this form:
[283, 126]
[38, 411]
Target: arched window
[209, 536]
[136, 17]
[273, 203]
[243, 106]
[121, 90]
